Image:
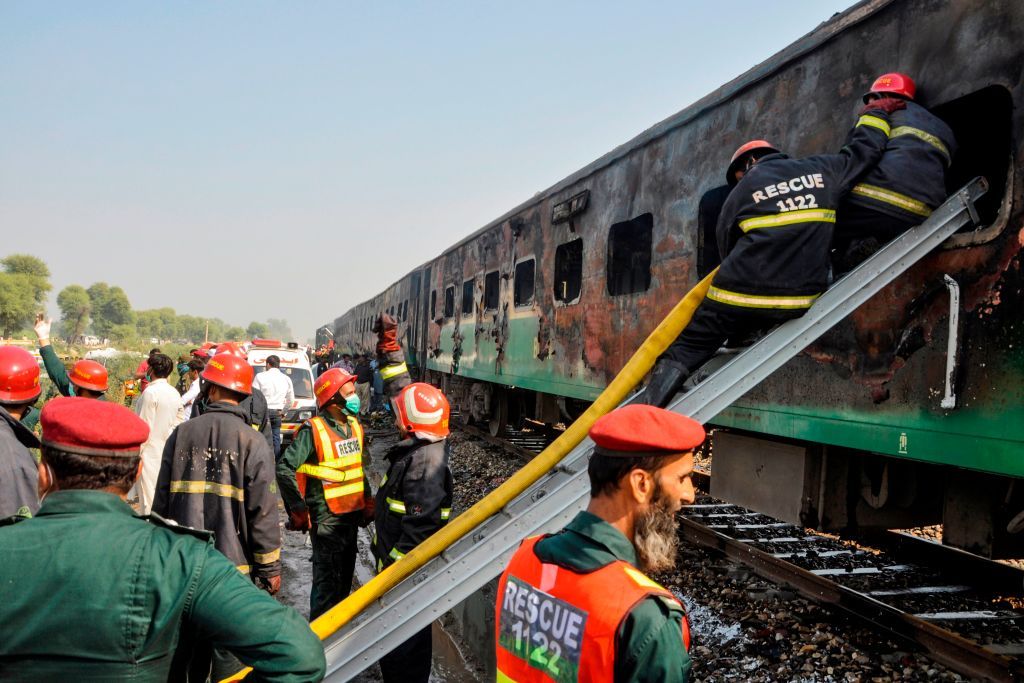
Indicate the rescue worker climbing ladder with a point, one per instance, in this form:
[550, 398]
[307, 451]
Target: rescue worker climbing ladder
[774, 234]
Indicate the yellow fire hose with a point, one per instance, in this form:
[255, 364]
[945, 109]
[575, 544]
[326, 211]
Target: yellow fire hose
[630, 375]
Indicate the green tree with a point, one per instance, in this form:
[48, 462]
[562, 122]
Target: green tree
[75, 306]
[279, 329]
[257, 330]
[17, 302]
[33, 268]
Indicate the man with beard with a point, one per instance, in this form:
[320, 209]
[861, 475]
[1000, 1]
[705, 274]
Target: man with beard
[574, 605]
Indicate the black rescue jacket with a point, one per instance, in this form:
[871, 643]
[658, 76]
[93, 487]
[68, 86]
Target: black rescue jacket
[414, 499]
[775, 230]
[217, 474]
[910, 180]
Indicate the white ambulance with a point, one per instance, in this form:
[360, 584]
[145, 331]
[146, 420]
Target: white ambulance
[295, 364]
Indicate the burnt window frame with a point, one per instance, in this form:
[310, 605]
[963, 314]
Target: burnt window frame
[565, 300]
[517, 300]
[617, 235]
[492, 290]
[449, 302]
[469, 285]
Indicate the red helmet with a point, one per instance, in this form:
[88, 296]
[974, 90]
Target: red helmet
[740, 154]
[232, 348]
[19, 375]
[229, 371]
[423, 408]
[88, 374]
[330, 383]
[892, 84]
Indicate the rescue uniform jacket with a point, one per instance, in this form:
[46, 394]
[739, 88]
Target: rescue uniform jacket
[648, 642]
[56, 371]
[257, 413]
[414, 499]
[93, 592]
[301, 451]
[775, 230]
[19, 476]
[217, 473]
[910, 180]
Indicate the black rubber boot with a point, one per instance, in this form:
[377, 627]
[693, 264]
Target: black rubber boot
[666, 379]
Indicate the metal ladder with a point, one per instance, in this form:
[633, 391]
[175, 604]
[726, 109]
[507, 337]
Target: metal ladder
[552, 501]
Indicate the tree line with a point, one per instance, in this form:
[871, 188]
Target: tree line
[104, 310]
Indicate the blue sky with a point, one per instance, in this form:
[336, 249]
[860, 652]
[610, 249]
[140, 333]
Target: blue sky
[256, 160]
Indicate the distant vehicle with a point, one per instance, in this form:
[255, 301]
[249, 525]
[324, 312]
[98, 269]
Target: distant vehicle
[295, 364]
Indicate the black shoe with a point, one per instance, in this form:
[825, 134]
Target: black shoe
[666, 379]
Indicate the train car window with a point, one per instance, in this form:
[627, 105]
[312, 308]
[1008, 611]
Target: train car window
[629, 255]
[491, 291]
[569, 271]
[433, 304]
[467, 297]
[982, 125]
[524, 283]
[707, 221]
[449, 301]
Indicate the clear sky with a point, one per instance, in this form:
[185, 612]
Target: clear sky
[288, 160]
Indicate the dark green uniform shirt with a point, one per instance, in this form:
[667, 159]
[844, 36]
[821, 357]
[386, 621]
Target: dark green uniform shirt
[301, 451]
[649, 642]
[92, 592]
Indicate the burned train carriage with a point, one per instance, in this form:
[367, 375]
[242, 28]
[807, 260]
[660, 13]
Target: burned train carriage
[536, 312]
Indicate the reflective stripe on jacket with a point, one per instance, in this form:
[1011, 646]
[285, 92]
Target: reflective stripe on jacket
[775, 229]
[339, 466]
[910, 180]
[553, 624]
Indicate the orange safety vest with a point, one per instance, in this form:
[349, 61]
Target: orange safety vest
[339, 466]
[554, 624]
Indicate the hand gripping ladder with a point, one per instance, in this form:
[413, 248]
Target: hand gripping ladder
[553, 500]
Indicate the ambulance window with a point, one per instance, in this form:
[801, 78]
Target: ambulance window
[982, 126]
[524, 285]
[467, 297]
[491, 291]
[707, 222]
[449, 301]
[629, 255]
[433, 304]
[569, 271]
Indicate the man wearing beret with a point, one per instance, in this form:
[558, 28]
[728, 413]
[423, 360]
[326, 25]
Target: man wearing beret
[577, 605]
[93, 592]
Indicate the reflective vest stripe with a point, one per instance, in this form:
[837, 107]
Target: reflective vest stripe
[331, 474]
[922, 135]
[396, 505]
[390, 371]
[875, 122]
[346, 490]
[789, 218]
[446, 513]
[204, 487]
[895, 198]
[791, 301]
[341, 477]
[395, 555]
[267, 558]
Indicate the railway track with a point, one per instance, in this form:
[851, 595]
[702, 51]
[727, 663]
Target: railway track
[963, 611]
[960, 609]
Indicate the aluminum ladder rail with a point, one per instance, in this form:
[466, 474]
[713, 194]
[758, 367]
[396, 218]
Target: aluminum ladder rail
[552, 501]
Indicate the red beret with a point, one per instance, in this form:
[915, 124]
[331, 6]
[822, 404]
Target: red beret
[90, 426]
[635, 431]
